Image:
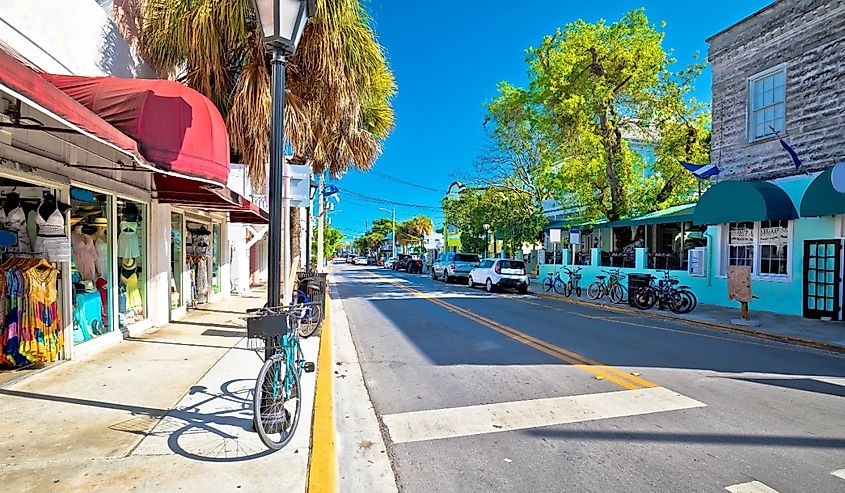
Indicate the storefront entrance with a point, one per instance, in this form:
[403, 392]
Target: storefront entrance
[822, 278]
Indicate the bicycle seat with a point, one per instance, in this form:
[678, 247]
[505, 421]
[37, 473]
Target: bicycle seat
[683, 287]
[674, 281]
[601, 277]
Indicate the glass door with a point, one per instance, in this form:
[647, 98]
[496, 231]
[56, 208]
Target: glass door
[177, 260]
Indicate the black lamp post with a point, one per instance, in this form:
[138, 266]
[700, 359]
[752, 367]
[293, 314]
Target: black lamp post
[282, 23]
[486, 239]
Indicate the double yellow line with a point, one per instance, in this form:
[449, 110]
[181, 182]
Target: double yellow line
[619, 377]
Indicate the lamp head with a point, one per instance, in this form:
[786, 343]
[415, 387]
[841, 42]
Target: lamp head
[283, 21]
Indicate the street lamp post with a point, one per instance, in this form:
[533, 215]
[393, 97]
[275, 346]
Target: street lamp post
[282, 23]
[459, 187]
[486, 239]
[393, 234]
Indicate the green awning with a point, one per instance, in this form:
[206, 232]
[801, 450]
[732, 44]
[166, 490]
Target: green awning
[675, 214]
[734, 201]
[821, 199]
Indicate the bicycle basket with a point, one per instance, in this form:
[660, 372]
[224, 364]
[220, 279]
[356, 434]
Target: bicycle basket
[267, 325]
[576, 277]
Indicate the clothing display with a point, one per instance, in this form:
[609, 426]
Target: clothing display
[128, 244]
[15, 221]
[51, 240]
[103, 262]
[85, 256]
[133, 304]
[87, 316]
[198, 271]
[31, 330]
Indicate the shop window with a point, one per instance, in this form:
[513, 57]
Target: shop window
[198, 239]
[693, 237]
[216, 258]
[177, 259]
[91, 264]
[664, 246]
[774, 239]
[763, 246]
[766, 94]
[34, 246]
[625, 241]
[131, 258]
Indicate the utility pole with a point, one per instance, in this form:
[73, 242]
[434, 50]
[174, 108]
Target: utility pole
[393, 224]
[321, 262]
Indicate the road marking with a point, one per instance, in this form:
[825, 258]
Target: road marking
[322, 469]
[750, 487]
[619, 377]
[436, 424]
[839, 473]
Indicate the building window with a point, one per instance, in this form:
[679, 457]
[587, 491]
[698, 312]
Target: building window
[763, 246]
[774, 240]
[767, 104]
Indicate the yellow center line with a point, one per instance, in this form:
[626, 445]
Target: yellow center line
[624, 380]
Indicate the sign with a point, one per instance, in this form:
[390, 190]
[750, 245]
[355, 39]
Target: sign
[697, 262]
[300, 185]
[741, 234]
[554, 235]
[739, 283]
[777, 234]
[574, 236]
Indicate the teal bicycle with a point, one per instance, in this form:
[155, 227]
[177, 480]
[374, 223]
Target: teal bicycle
[277, 400]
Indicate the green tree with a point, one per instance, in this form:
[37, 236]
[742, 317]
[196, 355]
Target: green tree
[332, 240]
[593, 88]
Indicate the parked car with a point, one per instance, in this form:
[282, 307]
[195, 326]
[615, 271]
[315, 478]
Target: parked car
[399, 260]
[415, 266]
[338, 260]
[388, 263]
[371, 260]
[361, 260]
[500, 273]
[452, 265]
[350, 259]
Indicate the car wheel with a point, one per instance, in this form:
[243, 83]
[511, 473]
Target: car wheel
[447, 277]
[523, 290]
[489, 286]
[433, 275]
[469, 282]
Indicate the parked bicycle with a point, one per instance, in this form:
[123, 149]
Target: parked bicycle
[611, 288]
[665, 293]
[277, 399]
[572, 285]
[553, 281]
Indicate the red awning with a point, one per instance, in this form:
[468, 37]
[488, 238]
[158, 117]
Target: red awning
[249, 214]
[177, 128]
[30, 87]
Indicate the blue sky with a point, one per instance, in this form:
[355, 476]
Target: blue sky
[448, 64]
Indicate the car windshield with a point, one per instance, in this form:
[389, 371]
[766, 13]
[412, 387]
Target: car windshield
[465, 257]
[512, 264]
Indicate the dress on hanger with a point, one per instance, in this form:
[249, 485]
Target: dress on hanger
[128, 244]
[84, 256]
[43, 341]
[51, 239]
[15, 221]
[129, 278]
[102, 257]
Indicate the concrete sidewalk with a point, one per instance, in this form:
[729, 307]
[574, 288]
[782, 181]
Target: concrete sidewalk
[167, 411]
[787, 328]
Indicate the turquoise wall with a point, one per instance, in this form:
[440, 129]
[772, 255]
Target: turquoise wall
[775, 295]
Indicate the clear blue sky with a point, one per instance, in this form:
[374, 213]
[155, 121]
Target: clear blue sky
[448, 64]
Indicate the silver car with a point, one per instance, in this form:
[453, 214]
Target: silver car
[452, 265]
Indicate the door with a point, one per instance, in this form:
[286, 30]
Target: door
[822, 264]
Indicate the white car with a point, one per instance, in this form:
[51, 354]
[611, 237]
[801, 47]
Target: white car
[362, 260]
[388, 263]
[500, 273]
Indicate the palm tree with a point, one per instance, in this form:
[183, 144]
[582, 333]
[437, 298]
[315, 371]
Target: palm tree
[412, 230]
[339, 107]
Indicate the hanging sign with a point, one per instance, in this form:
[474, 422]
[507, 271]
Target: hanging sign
[554, 235]
[777, 234]
[574, 236]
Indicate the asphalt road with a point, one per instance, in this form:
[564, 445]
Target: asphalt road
[502, 392]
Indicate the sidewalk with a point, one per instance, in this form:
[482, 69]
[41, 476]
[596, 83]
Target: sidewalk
[787, 328]
[167, 411]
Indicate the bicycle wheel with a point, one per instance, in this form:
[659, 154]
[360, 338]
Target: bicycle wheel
[313, 319]
[578, 290]
[647, 298]
[685, 302]
[595, 290]
[548, 284]
[560, 287]
[567, 289]
[276, 403]
[618, 294]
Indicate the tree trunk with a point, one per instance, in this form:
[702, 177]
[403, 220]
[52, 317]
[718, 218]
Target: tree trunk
[296, 249]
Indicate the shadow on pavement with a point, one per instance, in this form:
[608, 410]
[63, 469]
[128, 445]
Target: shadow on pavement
[805, 384]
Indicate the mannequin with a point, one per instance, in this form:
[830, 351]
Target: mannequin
[13, 217]
[51, 239]
[128, 244]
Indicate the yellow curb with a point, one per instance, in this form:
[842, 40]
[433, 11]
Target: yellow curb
[703, 323]
[322, 467]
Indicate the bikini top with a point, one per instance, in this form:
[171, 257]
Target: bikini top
[128, 227]
[52, 226]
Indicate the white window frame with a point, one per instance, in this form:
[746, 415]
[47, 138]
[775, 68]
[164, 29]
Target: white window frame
[749, 114]
[724, 253]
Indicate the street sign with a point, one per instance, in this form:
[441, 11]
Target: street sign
[574, 236]
[300, 185]
[554, 235]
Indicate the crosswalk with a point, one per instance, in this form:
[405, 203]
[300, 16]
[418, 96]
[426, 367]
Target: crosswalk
[758, 487]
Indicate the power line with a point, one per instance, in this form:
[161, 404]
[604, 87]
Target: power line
[404, 182]
[388, 202]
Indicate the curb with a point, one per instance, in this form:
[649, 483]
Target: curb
[322, 464]
[837, 348]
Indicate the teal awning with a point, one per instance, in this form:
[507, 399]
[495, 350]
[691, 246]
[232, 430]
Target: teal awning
[821, 199]
[675, 214]
[734, 201]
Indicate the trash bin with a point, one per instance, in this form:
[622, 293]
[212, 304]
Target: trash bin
[635, 282]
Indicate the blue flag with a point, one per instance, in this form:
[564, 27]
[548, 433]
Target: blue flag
[787, 148]
[701, 170]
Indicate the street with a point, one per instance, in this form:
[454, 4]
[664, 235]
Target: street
[502, 392]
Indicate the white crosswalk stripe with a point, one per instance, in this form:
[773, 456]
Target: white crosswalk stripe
[750, 487]
[839, 473]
